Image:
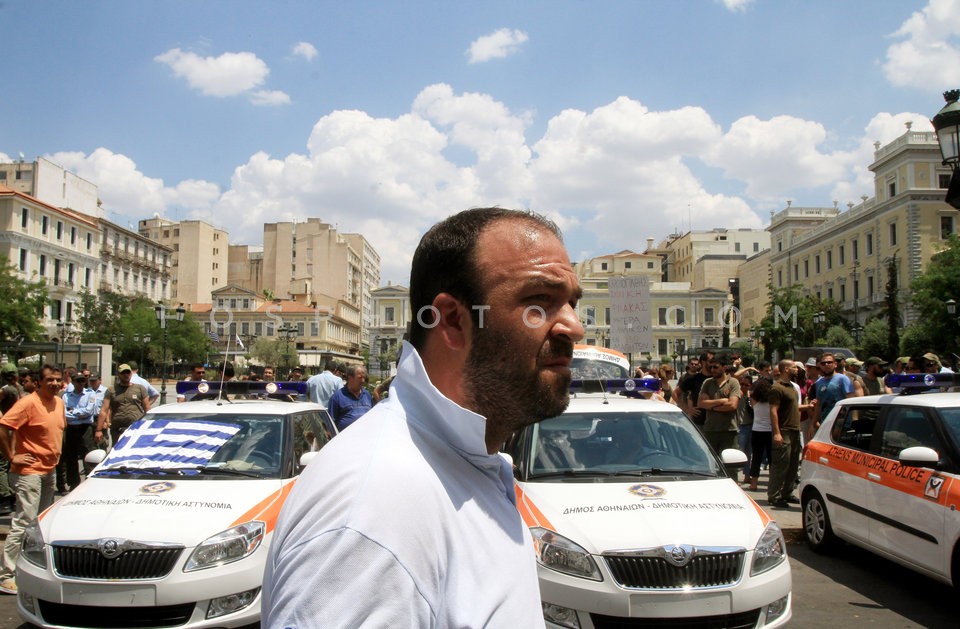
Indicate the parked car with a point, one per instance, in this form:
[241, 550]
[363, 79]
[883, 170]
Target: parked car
[172, 527]
[635, 521]
[882, 473]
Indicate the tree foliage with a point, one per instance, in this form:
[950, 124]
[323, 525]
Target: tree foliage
[875, 339]
[931, 290]
[837, 336]
[789, 322]
[21, 305]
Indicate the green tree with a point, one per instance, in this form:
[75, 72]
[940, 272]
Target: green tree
[99, 315]
[22, 304]
[931, 290]
[837, 336]
[266, 351]
[916, 339]
[893, 309]
[875, 339]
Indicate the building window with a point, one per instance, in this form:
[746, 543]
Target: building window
[708, 315]
[946, 226]
[806, 268]
[73, 235]
[606, 315]
[626, 265]
[841, 251]
[816, 264]
[843, 292]
[44, 225]
[662, 347]
[856, 249]
[829, 259]
[893, 234]
[24, 217]
[59, 230]
[23, 260]
[680, 315]
[796, 272]
[779, 277]
[830, 293]
[736, 247]
[856, 289]
[943, 180]
[756, 247]
[661, 316]
[591, 315]
[258, 328]
[870, 286]
[892, 189]
[603, 266]
[89, 241]
[388, 314]
[270, 327]
[43, 265]
[869, 244]
[246, 304]
[86, 278]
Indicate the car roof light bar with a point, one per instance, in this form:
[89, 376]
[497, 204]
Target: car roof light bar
[243, 387]
[917, 382]
[626, 386]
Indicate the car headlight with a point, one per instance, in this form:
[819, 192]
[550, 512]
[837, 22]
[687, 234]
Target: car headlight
[558, 553]
[770, 552]
[226, 547]
[32, 547]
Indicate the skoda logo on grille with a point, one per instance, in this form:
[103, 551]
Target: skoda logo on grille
[110, 548]
[679, 555]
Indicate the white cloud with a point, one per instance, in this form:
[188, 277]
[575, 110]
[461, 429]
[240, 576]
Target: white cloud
[306, 50]
[496, 45]
[736, 5]
[928, 56]
[230, 74]
[269, 98]
[611, 176]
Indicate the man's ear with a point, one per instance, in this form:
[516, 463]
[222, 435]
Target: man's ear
[453, 323]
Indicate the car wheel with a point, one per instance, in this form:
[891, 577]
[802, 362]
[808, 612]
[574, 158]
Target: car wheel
[816, 523]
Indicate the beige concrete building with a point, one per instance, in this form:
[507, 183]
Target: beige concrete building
[200, 256]
[51, 183]
[681, 318]
[391, 316]
[690, 255]
[245, 267]
[317, 332]
[131, 264]
[844, 256]
[312, 259]
[57, 245]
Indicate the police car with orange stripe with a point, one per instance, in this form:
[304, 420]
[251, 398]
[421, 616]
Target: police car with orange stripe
[172, 527]
[883, 473]
[635, 521]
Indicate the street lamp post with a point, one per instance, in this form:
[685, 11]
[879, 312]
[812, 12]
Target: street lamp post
[857, 333]
[63, 328]
[288, 331]
[947, 125]
[142, 340]
[162, 313]
[818, 320]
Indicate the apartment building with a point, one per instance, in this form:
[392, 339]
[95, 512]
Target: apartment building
[844, 256]
[313, 259]
[132, 264]
[51, 183]
[708, 259]
[54, 244]
[200, 254]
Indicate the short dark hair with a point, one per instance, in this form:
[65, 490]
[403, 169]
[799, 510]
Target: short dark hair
[227, 369]
[445, 262]
[48, 368]
[196, 365]
[330, 365]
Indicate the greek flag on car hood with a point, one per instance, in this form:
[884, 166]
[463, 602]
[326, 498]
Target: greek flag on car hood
[169, 443]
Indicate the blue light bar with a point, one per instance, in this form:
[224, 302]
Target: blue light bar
[914, 382]
[243, 387]
[626, 386]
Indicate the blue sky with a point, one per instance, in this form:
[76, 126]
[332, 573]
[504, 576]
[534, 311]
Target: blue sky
[621, 120]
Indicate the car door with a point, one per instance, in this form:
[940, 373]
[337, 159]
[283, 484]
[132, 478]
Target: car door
[908, 503]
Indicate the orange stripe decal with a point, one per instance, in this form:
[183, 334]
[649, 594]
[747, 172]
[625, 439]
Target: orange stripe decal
[268, 509]
[764, 516]
[532, 516]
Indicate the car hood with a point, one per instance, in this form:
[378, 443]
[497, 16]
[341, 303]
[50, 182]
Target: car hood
[150, 510]
[605, 517]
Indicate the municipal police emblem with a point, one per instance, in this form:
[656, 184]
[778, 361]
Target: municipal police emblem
[157, 488]
[647, 491]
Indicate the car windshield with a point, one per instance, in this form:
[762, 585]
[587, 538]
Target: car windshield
[951, 421]
[593, 446]
[234, 446]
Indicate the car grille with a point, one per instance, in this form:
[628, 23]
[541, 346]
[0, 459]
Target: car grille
[131, 561]
[742, 620]
[111, 617]
[654, 570]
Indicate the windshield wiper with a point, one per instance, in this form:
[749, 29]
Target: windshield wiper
[569, 474]
[653, 471]
[226, 471]
[127, 469]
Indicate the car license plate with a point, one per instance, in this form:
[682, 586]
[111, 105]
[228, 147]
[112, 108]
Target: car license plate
[109, 595]
[674, 605]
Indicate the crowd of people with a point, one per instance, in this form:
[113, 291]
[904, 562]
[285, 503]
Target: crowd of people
[770, 411]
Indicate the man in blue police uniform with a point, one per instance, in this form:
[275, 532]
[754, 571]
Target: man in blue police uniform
[352, 400]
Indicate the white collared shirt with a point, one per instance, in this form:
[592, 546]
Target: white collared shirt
[404, 520]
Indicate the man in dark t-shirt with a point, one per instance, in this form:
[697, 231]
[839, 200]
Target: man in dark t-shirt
[689, 387]
[123, 404]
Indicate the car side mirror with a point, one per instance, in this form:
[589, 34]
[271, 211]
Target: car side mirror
[732, 456]
[95, 457]
[919, 456]
[306, 457]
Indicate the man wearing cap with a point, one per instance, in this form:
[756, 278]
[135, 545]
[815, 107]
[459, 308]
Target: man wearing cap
[851, 367]
[136, 378]
[873, 383]
[123, 404]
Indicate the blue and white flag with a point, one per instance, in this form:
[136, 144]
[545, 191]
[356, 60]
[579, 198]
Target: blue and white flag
[213, 335]
[169, 444]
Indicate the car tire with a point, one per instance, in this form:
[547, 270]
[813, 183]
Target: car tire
[816, 523]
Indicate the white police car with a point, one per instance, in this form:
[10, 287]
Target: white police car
[636, 523]
[173, 526]
[883, 473]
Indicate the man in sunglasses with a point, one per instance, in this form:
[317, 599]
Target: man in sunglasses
[830, 388]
